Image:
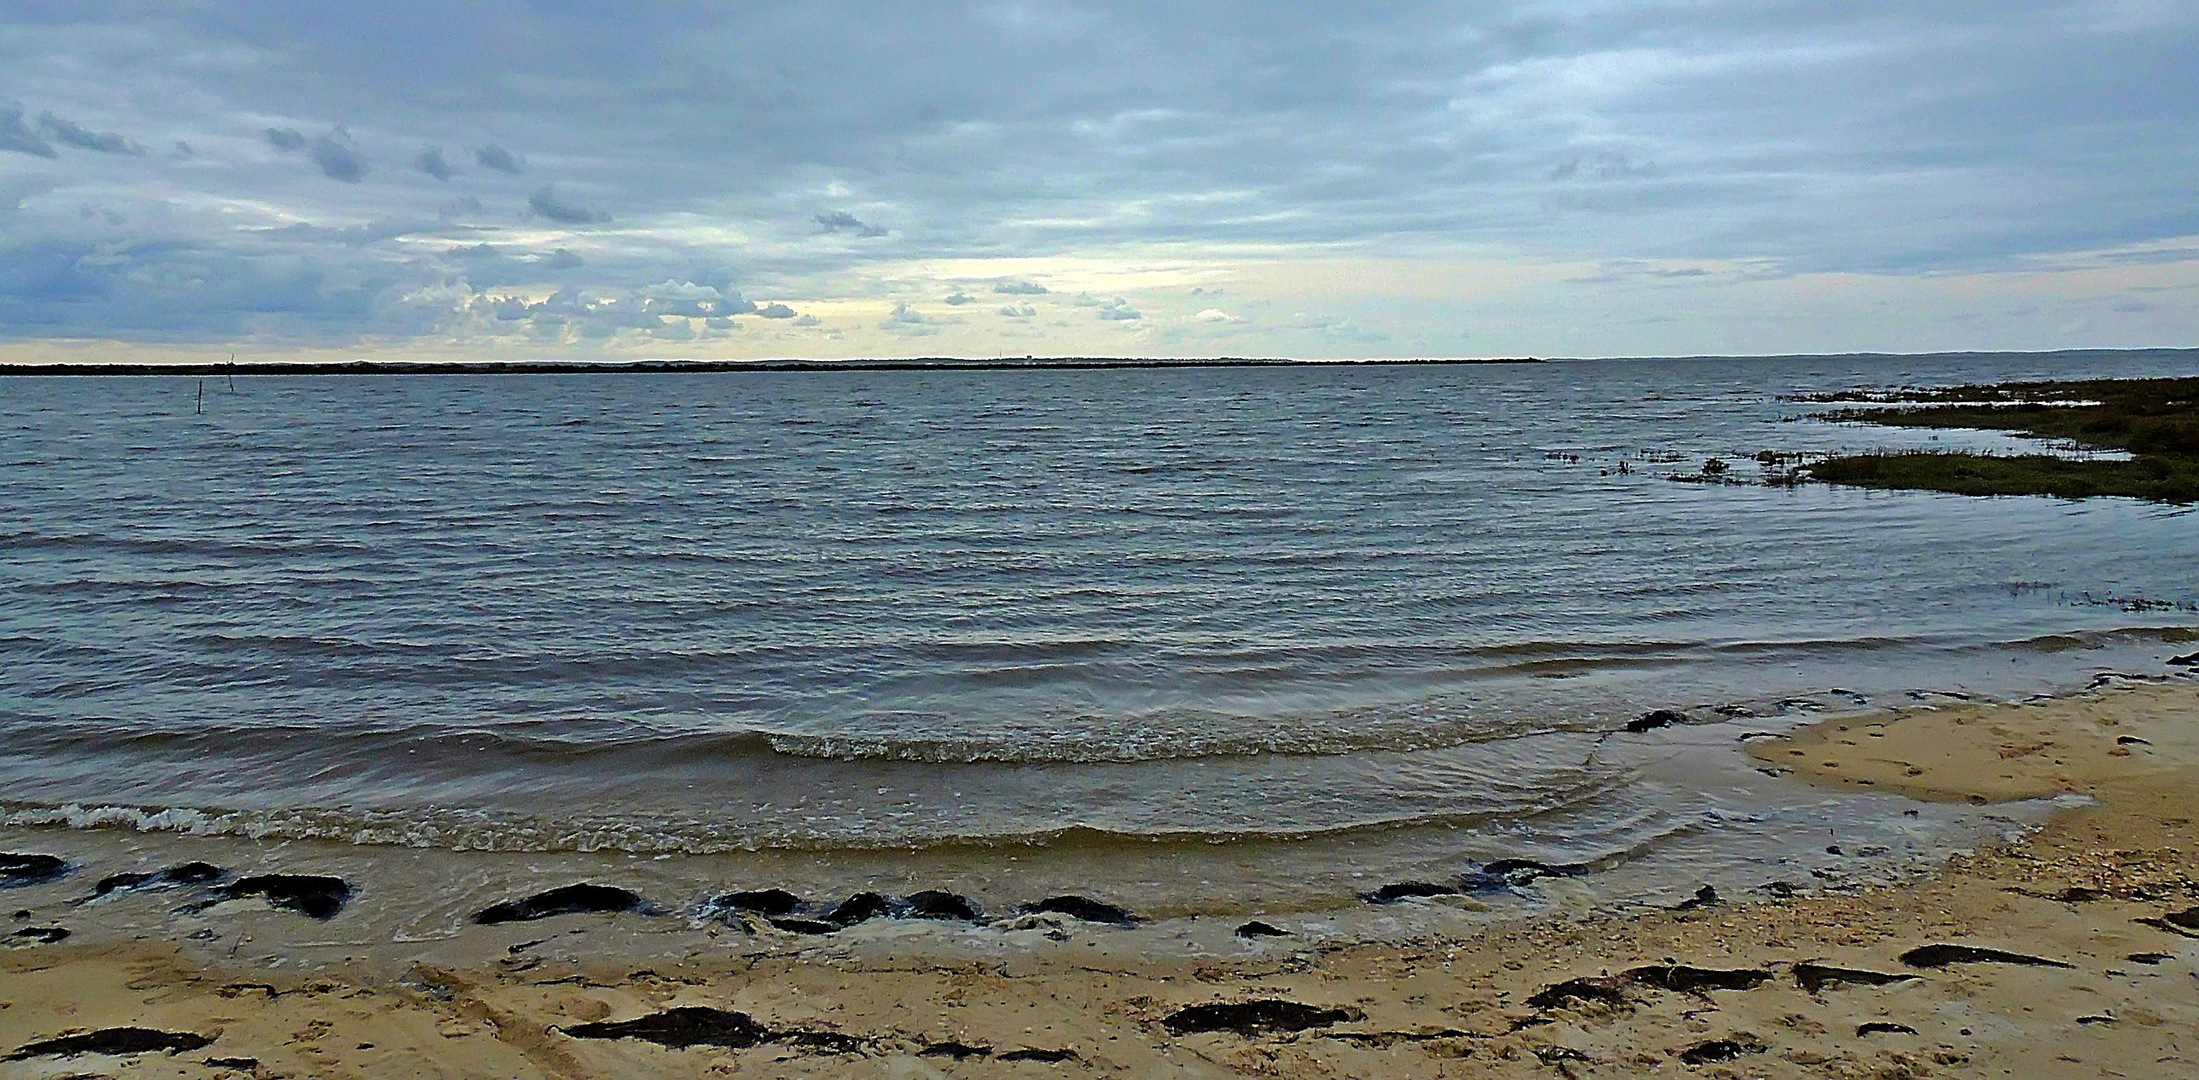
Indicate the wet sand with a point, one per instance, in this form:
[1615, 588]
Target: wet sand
[2094, 969]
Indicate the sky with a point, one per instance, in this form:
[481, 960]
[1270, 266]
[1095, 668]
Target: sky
[310, 179]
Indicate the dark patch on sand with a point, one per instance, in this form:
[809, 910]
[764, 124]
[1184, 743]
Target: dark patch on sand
[1939, 956]
[1051, 1057]
[1651, 721]
[1082, 908]
[1590, 990]
[956, 1050]
[935, 904]
[1703, 1053]
[1690, 979]
[31, 869]
[190, 873]
[578, 899]
[1813, 977]
[113, 1041]
[1254, 1017]
[700, 1025]
[1407, 890]
[312, 896]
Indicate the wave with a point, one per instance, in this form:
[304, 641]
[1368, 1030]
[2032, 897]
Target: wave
[483, 830]
[613, 744]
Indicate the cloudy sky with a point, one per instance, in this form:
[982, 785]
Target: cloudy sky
[544, 180]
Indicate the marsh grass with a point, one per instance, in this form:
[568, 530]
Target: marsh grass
[2156, 421]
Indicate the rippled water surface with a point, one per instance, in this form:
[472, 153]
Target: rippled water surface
[1394, 608]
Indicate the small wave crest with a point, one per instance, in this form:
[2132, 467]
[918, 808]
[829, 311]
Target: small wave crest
[488, 831]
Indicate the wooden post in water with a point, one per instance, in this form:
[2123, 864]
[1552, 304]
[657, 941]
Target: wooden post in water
[232, 373]
[202, 397]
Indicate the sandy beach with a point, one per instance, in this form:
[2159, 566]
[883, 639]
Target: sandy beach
[2069, 953]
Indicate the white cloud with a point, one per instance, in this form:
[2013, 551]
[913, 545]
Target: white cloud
[1599, 150]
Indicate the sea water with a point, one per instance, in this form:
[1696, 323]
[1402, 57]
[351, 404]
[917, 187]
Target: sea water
[1213, 639]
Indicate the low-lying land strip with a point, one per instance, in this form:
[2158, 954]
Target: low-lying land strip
[2155, 421]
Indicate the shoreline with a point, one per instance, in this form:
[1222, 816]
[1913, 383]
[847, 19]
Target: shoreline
[1574, 993]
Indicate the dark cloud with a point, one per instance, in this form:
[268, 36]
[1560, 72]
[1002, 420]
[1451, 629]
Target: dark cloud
[546, 203]
[430, 160]
[957, 298]
[1019, 288]
[16, 136]
[286, 139]
[70, 133]
[496, 157]
[561, 259]
[338, 159]
[842, 221]
[775, 311]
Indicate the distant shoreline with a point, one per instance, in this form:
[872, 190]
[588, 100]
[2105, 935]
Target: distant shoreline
[680, 367]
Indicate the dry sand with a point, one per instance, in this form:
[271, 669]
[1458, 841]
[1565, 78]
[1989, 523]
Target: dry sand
[2093, 891]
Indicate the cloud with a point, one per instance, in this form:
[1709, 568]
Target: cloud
[906, 321]
[1018, 311]
[338, 159]
[1345, 160]
[775, 311]
[15, 136]
[807, 320]
[689, 299]
[546, 203]
[957, 298]
[1216, 315]
[70, 133]
[1117, 310]
[430, 161]
[562, 259]
[841, 220]
[496, 157]
[1340, 329]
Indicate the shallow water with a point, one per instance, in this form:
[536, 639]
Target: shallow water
[1269, 634]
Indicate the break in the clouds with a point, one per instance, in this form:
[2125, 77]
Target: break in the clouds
[1554, 176]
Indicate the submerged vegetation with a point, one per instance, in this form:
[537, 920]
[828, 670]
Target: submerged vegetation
[2155, 421]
